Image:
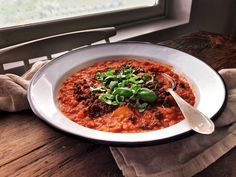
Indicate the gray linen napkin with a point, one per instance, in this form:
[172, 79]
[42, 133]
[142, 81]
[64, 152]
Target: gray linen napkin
[13, 89]
[188, 156]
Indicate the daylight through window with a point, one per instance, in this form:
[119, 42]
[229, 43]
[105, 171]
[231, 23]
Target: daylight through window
[21, 12]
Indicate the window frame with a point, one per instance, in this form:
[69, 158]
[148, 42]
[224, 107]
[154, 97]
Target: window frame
[19, 34]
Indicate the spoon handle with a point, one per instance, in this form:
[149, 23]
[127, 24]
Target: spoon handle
[198, 121]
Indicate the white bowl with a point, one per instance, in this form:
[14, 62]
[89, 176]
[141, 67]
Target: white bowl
[208, 87]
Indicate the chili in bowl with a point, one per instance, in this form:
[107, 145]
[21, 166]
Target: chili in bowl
[123, 96]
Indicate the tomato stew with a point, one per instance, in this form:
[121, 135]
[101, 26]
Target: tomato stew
[80, 103]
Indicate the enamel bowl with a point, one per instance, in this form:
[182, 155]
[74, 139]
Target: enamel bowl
[208, 87]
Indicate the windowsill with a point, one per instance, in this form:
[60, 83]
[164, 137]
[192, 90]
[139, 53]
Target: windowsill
[134, 31]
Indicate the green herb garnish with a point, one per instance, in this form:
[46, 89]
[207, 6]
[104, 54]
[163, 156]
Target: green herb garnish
[126, 85]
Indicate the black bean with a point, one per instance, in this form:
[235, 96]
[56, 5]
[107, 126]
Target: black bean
[133, 119]
[159, 115]
[181, 85]
[166, 103]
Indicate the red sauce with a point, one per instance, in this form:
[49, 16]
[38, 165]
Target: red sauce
[124, 118]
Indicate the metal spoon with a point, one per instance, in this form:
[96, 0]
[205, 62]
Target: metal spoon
[197, 120]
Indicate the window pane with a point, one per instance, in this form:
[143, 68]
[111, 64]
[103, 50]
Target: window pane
[20, 12]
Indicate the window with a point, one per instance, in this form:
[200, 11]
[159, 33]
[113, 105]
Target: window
[24, 20]
[22, 12]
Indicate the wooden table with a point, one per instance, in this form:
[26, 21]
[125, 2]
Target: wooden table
[29, 147]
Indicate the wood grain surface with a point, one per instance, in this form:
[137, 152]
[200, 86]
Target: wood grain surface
[29, 147]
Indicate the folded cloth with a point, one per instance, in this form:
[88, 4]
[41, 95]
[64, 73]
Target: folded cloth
[13, 89]
[188, 156]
